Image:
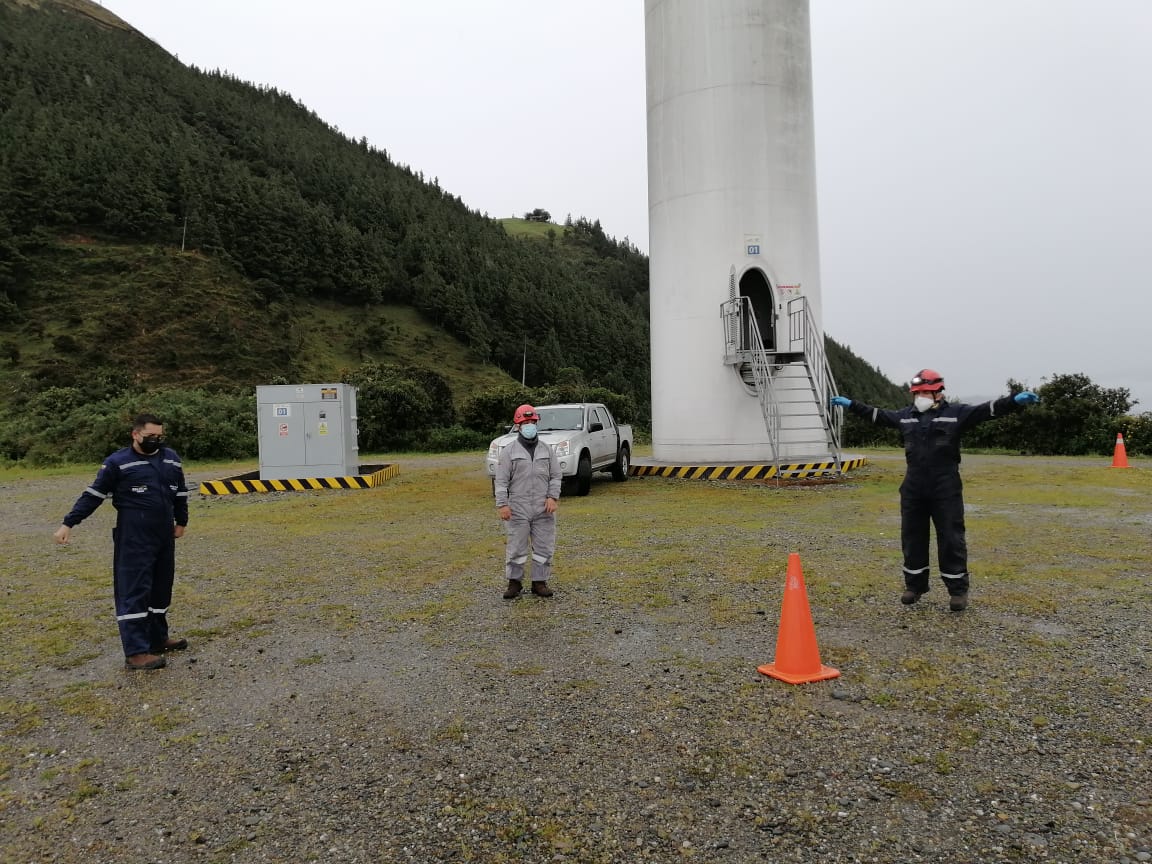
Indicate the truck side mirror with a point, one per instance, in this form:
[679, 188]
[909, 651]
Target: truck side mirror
[596, 427]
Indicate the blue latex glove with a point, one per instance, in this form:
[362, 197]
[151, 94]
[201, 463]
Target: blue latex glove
[1026, 397]
[844, 401]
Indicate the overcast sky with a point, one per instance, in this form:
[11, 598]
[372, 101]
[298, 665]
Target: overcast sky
[984, 166]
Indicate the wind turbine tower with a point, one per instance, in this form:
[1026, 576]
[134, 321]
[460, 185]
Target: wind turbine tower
[738, 367]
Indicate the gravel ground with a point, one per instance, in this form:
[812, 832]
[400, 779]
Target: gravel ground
[593, 727]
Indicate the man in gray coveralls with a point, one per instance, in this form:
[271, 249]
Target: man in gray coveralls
[527, 489]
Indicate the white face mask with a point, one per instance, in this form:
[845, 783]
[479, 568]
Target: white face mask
[923, 403]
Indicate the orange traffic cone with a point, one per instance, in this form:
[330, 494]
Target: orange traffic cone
[1119, 455]
[797, 657]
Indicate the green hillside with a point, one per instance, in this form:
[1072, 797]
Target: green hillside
[91, 306]
[527, 228]
[107, 136]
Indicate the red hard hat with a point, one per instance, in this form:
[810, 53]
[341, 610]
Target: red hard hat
[525, 412]
[927, 381]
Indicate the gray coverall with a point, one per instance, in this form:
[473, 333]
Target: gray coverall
[523, 482]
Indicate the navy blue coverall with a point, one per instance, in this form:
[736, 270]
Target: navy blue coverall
[932, 490]
[150, 497]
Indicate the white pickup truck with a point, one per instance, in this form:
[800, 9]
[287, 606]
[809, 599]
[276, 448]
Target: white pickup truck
[586, 438]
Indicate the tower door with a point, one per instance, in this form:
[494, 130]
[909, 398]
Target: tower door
[755, 286]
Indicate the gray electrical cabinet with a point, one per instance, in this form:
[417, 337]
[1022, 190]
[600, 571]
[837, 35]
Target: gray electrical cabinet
[307, 430]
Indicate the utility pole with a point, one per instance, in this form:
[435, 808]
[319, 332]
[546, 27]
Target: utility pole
[524, 365]
[184, 235]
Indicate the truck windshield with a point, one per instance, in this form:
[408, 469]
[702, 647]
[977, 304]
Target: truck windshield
[554, 419]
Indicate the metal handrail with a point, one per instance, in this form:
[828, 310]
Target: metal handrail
[740, 325]
[802, 329]
[743, 344]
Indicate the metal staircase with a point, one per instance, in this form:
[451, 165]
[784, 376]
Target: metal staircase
[793, 384]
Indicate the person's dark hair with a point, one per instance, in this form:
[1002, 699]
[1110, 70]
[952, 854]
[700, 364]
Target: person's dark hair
[143, 420]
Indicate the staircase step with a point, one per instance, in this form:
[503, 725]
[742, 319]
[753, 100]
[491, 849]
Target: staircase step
[786, 386]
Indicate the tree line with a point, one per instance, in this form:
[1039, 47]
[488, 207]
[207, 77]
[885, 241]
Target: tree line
[1075, 417]
[411, 408]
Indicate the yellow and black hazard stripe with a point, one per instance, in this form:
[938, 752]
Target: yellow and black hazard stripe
[823, 468]
[706, 472]
[796, 470]
[247, 484]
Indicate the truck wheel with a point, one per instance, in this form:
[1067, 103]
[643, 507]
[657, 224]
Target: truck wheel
[623, 463]
[584, 475]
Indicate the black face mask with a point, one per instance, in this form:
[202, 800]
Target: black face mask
[149, 444]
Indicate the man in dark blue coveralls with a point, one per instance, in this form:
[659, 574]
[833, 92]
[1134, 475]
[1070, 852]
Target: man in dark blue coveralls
[146, 484]
[932, 490]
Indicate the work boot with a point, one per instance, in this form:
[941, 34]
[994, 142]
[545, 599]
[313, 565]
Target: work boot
[541, 589]
[513, 590]
[958, 602]
[909, 596]
[145, 661]
[170, 645]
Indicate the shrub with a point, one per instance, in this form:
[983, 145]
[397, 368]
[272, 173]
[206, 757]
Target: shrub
[456, 439]
[490, 411]
[1137, 432]
[59, 426]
